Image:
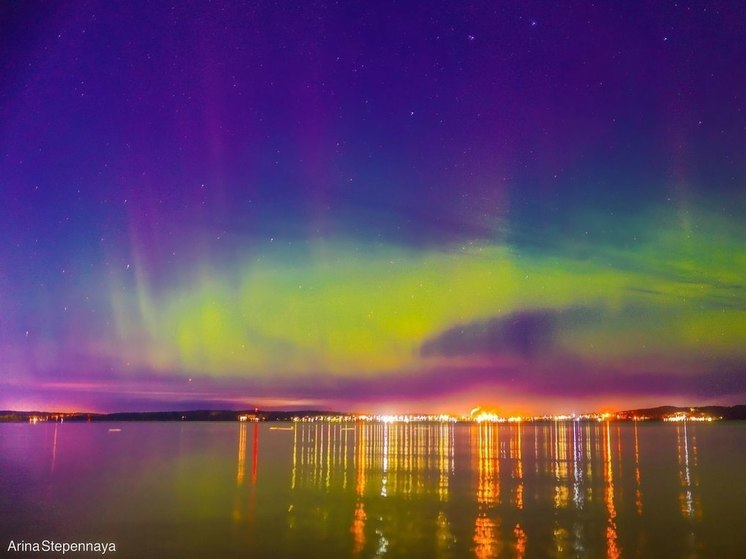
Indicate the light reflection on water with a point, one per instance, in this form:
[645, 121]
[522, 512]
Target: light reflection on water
[481, 491]
[686, 449]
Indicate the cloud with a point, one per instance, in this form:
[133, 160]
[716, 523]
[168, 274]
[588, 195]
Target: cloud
[524, 333]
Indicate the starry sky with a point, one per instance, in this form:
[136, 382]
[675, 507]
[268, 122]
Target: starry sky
[389, 206]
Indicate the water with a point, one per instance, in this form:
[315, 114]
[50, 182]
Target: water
[213, 490]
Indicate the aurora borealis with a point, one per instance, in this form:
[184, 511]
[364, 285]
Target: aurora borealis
[389, 206]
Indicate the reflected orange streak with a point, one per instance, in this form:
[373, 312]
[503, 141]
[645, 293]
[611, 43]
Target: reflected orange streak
[577, 471]
[359, 517]
[445, 455]
[488, 488]
[488, 491]
[255, 454]
[612, 549]
[361, 459]
[485, 537]
[518, 500]
[295, 452]
[328, 458]
[520, 541]
[344, 449]
[241, 454]
[560, 462]
[358, 528]
[638, 490]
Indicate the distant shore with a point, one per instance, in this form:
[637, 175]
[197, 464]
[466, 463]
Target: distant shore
[662, 413]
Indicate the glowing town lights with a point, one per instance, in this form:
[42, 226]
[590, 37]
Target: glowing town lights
[683, 416]
[413, 418]
[488, 417]
[479, 416]
[387, 418]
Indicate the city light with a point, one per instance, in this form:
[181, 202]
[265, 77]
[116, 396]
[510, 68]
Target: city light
[684, 416]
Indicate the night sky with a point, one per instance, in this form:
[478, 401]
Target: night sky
[373, 206]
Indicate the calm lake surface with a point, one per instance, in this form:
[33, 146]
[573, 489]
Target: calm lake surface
[213, 490]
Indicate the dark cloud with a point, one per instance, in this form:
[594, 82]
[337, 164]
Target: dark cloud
[568, 377]
[526, 334]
